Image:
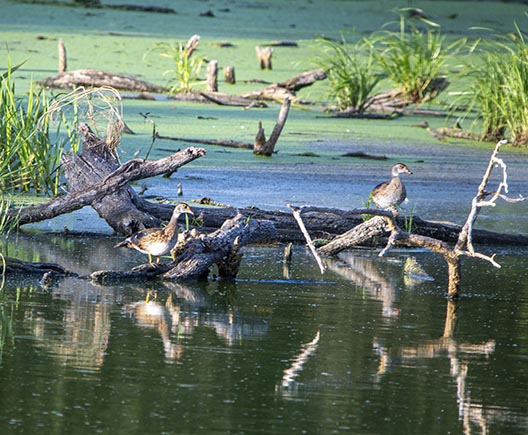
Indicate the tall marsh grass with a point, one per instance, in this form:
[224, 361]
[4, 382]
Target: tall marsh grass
[498, 89]
[351, 73]
[30, 154]
[186, 68]
[414, 59]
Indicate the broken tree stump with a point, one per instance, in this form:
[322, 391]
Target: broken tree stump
[229, 75]
[95, 162]
[263, 147]
[264, 57]
[287, 88]
[106, 178]
[63, 62]
[212, 76]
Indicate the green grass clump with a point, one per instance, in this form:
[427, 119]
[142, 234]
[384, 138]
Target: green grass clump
[498, 90]
[29, 157]
[183, 76]
[415, 59]
[351, 73]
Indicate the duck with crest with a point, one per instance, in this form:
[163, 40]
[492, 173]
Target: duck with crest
[391, 193]
[157, 241]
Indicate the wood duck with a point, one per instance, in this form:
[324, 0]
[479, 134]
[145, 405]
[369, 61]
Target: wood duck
[391, 193]
[157, 241]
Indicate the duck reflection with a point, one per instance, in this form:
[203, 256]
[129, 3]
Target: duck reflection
[471, 413]
[151, 313]
[185, 309]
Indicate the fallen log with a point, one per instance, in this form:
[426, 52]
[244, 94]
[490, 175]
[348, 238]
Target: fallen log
[220, 142]
[260, 145]
[325, 224]
[13, 266]
[90, 78]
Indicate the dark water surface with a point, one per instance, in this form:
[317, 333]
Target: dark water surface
[362, 349]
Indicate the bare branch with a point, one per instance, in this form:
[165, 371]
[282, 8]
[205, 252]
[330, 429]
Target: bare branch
[297, 216]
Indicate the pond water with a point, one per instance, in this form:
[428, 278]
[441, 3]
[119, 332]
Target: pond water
[361, 349]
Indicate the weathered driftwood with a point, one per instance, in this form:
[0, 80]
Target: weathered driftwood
[458, 133]
[464, 245]
[90, 78]
[230, 100]
[397, 99]
[108, 184]
[94, 164]
[326, 224]
[395, 102]
[197, 253]
[221, 142]
[287, 88]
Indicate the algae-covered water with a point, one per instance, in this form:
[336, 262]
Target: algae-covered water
[361, 349]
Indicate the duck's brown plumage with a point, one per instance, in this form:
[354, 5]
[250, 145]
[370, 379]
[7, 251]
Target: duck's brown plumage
[157, 241]
[393, 192]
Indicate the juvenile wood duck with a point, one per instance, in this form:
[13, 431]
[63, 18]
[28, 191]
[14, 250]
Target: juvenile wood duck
[157, 241]
[391, 193]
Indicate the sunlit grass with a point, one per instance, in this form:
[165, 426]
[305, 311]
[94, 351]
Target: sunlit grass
[351, 73]
[498, 89]
[186, 66]
[30, 153]
[413, 58]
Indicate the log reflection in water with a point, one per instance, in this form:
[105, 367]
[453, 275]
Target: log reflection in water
[81, 337]
[470, 412]
[366, 273]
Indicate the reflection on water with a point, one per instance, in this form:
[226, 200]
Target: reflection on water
[374, 277]
[459, 355]
[357, 350]
[289, 374]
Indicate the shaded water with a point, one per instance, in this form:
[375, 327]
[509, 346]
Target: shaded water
[283, 350]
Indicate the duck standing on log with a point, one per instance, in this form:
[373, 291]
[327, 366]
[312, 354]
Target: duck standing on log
[391, 193]
[157, 241]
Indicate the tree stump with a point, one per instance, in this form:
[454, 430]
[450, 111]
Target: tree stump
[263, 147]
[264, 57]
[229, 75]
[63, 62]
[212, 76]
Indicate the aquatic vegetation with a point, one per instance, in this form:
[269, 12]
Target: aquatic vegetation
[183, 77]
[351, 72]
[498, 89]
[30, 153]
[414, 59]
